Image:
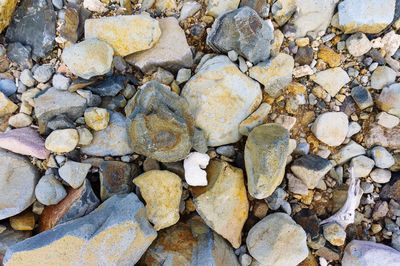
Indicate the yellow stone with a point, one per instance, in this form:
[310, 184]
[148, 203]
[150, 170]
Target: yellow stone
[6, 106]
[62, 140]
[97, 118]
[165, 5]
[7, 8]
[329, 56]
[23, 222]
[162, 191]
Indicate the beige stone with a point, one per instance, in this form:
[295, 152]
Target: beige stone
[23, 222]
[257, 118]
[62, 140]
[7, 8]
[97, 118]
[20, 120]
[218, 7]
[6, 106]
[331, 80]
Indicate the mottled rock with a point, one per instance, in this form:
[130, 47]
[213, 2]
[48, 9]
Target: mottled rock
[329, 56]
[253, 39]
[74, 173]
[49, 190]
[266, 152]
[310, 169]
[388, 138]
[331, 128]
[257, 118]
[60, 82]
[304, 56]
[10, 237]
[260, 6]
[295, 185]
[351, 150]
[382, 77]
[389, 99]
[97, 118]
[358, 44]
[189, 8]
[43, 73]
[283, 10]
[62, 140]
[24, 221]
[331, 80]
[20, 120]
[334, 233]
[362, 97]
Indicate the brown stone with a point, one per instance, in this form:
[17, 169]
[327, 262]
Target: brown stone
[23, 222]
[309, 261]
[329, 56]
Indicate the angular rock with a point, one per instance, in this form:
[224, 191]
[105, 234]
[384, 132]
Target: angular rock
[295, 185]
[331, 80]
[358, 44]
[389, 99]
[49, 190]
[260, 6]
[329, 56]
[275, 74]
[34, 24]
[331, 128]
[6, 11]
[265, 155]
[62, 140]
[277, 240]
[362, 97]
[304, 56]
[310, 169]
[283, 10]
[382, 77]
[351, 150]
[162, 191]
[20, 54]
[386, 120]
[110, 86]
[6, 105]
[223, 203]
[17, 189]
[24, 141]
[218, 7]
[10, 237]
[116, 233]
[334, 233]
[388, 138]
[74, 173]
[112, 141]
[243, 31]
[69, 30]
[125, 34]
[257, 118]
[220, 97]
[171, 52]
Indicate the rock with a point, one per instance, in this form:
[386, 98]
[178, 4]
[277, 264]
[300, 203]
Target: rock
[329, 56]
[186, 243]
[6, 106]
[275, 74]
[266, 239]
[171, 52]
[254, 39]
[189, 8]
[20, 54]
[85, 137]
[72, 28]
[387, 121]
[9, 237]
[266, 152]
[354, 128]
[219, 108]
[383, 159]
[125, 34]
[62, 140]
[351, 150]
[18, 184]
[6, 11]
[20, 120]
[304, 56]
[95, 6]
[160, 125]
[313, 16]
[183, 75]
[97, 118]
[311, 169]
[257, 118]
[331, 80]
[362, 166]
[223, 203]
[88, 58]
[27, 78]
[331, 128]
[369, 253]
[358, 44]
[194, 164]
[162, 191]
[296, 186]
[391, 43]
[286, 121]
[23, 222]
[121, 220]
[382, 77]
[260, 6]
[7, 87]
[282, 11]
[110, 86]
[334, 233]
[60, 82]
[24, 141]
[370, 16]
[34, 24]
[74, 173]
[381, 176]
[49, 190]
[43, 73]
[78, 203]
[112, 141]
[378, 135]
[389, 98]
[362, 97]
[219, 7]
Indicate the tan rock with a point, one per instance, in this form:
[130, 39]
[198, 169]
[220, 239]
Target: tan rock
[257, 118]
[20, 120]
[23, 222]
[6, 106]
[162, 191]
[218, 7]
[332, 80]
[62, 140]
[126, 34]
[7, 8]
[329, 56]
[97, 118]
[223, 203]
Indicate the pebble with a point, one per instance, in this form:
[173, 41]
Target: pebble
[383, 159]
[74, 173]
[391, 43]
[189, 8]
[115, 178]
[97, 118]
[49, 190]
[354, 128]
[296, 186]
[331, 80]
[362, 166]
[23, 222]
[329, 56]
[386, 120]
[331, 128]
[62, 140]
[219, 7]
[362, 97]
[60, 82]
[85, 136]
[43, 73]
[382, 77]
[286, 121]
[6, 106]
[257, 118]
[358, 44]
[389, 99]
[20, 120]
[282, 11]
[8, 87]
[310, 169]
[26, 78]
[20, 54]
[183, 75]
[335, 234]
[351, 150]
[381, 176]
[95, 6]
[304, 56]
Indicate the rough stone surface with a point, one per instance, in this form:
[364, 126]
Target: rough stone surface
[49, 190]
[310, 169]
[97, 118]
[9, 237]
[116, 233]
[383, 159]
[382, 77]
[74, 173]
[20, 54]
[62, 140]
[388, 138]
[266, 152]
[282, 10]
[331, 128]
[6, 11]
[362, 166]
[389, 99]
[351, 150]
[362, 97]
[335, 234]
[6, 105]
[387, 121]
[257, 118]
[358, 44]
[331, 80]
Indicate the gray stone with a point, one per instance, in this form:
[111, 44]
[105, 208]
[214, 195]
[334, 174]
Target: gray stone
[34, 24]
[7, 87]
[331, 128]
[304, 56]
[381, 176]
[362, 166]
[74, 173]
[382, 77]
[283, 10]
[110, 86]
[296, 186]
[18, 178]
[383, 159]
[20, 54]
[362, 97]
[10, 237]
[351, 150]
[243, 31]
[183, 75]
[358, 44]
[49, 190]
[43, 73]
[310, 169]
[60, 82]
[265, 154]
[26, 78]
[389, 99]
[120, 221]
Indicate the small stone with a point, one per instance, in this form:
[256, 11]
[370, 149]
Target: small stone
[256, 119]
[95, 6]
[383, 159]
[391, 43]
[20, 120]
[381, 176]
[43, 73]
[74, 173]
[6, 106]
[218, 7]
[386, 120]
[85, 137]
[183, 75]
[362, 166]
[188, 9]
[62, 140]
[351, 150]
[381, 209]
[282, 10]
[304, 56]
[331, 80]
[358, 44]
[329, 56]
[382, 77]
[335, 234]
[311, 169]
[27, 78]
[8, 87]
[163, 76]
[194, 164]
[109, 86]
[60, 82]
[97, 118]
[354, 128]
[331, 128]
[286, 121]
[296, 186]
[115, 178]
[20, 54]
[49, 190]
[362, 97]
[233, 56]
[389, 99]
[23, 222]
[162, 191]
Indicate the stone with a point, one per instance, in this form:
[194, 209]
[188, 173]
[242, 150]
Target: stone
[362, 166]
[60, 82]
[387, 121]
[160, 125]
[74, 173]
[257, 118]
[275, 74]
[119, 221]
[23, 222]
[388, 100]
[6, 105]
[43, 73]
[49, 190]
[26, 141]
[219, 7]
[126, 34]
[88, 58]
[378, 135]
[266, 239]
[95, 6]
[351, 150]
[283, 10]
[311, 169]
[110, 86]
[334, 233]
[381, 176]
[383, 159]
[97, 118]
[6, 11]
[304, 56]
[34, 24]
[266, 151]
[358, 44]
[85, 137]
[354, 128]
[391, 43]
[370, 16]
[329, 56]
[62, 140]
[9, 237]
[254, 39]
[362, 97]
[17, 184]
[194, 164]
[171, 52]
[112, 141]
[331, 80]
[223, 203]
[220, 97]
[78, 203]
[359, 252]
[27, 78]
[183, 75]
[162, 191]
[186, 243]
[7, 87]
[20, 120]
[313, 16]
[72, 27]
[20, 54]
[286, 121]
[331, 128]
[382, 77]
[296, 186]
[188, 9]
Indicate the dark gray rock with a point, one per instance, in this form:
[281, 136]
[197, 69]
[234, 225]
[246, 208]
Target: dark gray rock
[34, 24]
[304, 56]
[10, 237]
[59, 122]
[20, 54]
[243, 31]
[111, 86]
[362, 97]
[310, 169]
